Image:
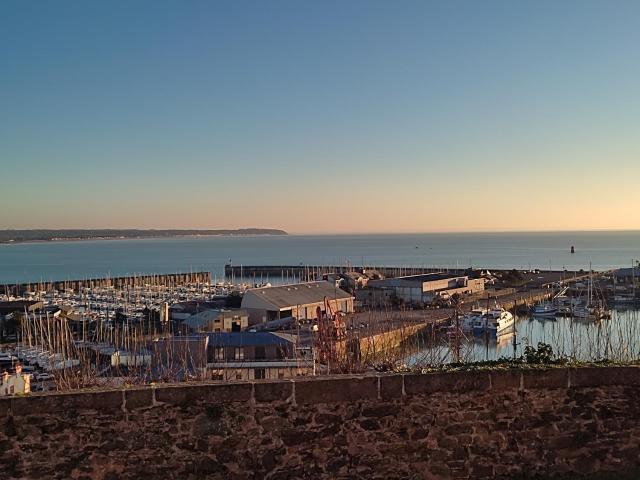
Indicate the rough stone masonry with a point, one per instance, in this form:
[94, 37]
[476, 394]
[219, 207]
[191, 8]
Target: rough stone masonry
[555, 423]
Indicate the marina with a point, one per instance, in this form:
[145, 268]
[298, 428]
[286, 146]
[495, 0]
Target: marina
[320, 240]
[359, 319]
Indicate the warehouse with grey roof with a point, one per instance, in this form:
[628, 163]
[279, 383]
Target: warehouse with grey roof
[299, 300]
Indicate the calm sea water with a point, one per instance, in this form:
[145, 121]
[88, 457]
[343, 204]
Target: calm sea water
[614, 339]
[32, 262]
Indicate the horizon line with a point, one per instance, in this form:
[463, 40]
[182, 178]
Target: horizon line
[326, 233]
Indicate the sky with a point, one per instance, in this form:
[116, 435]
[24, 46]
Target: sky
[320, 117]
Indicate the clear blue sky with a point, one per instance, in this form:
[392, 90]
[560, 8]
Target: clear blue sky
[345, 116]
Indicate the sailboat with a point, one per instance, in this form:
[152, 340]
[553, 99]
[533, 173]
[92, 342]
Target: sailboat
[592, 309]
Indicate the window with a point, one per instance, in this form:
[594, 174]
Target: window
[239, 353]
[259, 374]
[260, 353]
[238, 374]
[218, 353]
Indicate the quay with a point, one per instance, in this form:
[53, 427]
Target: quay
[507, 298]
[166, 279]
[387, 330]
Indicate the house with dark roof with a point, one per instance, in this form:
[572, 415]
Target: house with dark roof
[256, 356]
[300, 300]
[20, 306]
[11, 313]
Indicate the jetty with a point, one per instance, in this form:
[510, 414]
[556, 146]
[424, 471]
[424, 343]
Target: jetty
[165, 279]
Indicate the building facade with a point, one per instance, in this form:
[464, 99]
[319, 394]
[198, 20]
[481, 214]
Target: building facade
[15, 384]
[299, 300]
[217, 321]
[256, 356]
[425, 288]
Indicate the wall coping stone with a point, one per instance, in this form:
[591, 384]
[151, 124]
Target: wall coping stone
[313, 390]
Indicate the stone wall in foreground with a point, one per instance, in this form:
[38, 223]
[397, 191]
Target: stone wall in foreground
[560, 423]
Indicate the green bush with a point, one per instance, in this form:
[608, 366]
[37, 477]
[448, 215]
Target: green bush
[542, 355]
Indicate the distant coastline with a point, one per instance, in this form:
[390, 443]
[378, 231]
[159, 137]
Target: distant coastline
[66, 235]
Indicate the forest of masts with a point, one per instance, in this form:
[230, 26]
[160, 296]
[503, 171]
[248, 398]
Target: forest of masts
[72, 356]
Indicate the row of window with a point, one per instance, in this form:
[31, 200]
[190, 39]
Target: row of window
[238, 353]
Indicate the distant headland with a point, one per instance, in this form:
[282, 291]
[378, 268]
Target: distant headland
[20, 236]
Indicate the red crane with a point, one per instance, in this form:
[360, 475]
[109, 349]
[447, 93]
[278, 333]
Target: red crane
[330, 330]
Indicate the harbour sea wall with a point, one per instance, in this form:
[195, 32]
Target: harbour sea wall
[312, 272]
[562, 423]
[168, 279]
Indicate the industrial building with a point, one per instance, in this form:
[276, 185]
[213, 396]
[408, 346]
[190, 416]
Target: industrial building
[299, 300]
[183, 310]
[216, 320]
[425, 288]
[629, 275]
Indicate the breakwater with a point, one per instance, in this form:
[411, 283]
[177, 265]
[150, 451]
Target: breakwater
[169, 280]
[313, 272]
[553, 423]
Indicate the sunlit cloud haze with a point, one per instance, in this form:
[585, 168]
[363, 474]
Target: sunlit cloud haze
[321, 117]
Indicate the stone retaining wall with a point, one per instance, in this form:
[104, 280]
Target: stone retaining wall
[562, 423]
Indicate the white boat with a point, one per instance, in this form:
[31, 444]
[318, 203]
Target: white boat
[544, 309]
[469, 321]
[505, 320]
[495, 321]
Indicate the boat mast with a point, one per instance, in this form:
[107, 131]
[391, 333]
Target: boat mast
[590, 289]
[633, 281]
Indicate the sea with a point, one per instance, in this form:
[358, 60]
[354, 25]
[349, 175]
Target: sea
[70, 260]
[584, 340]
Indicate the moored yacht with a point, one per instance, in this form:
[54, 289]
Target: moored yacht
[494, 321]
[544, 309]
[469, 321]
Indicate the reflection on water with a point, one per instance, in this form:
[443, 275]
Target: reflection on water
[615, 339]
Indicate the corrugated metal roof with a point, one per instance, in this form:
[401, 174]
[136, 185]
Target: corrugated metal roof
[198, 320]
[415, 279]
[627, 272]
[298, 294]
[243, 339]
